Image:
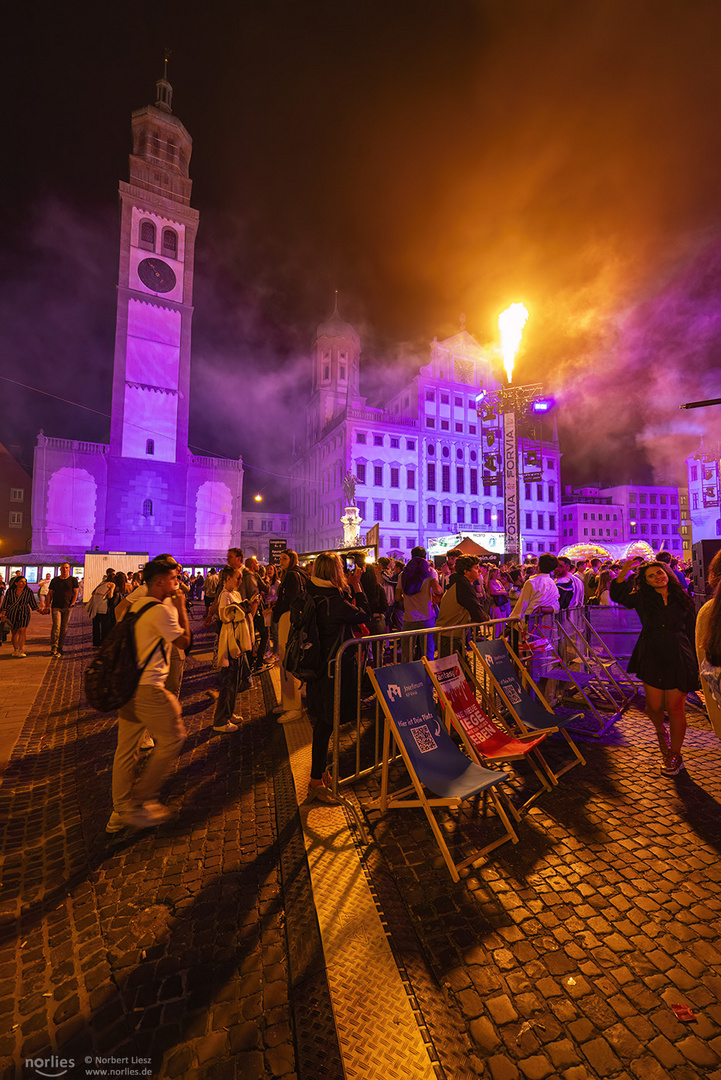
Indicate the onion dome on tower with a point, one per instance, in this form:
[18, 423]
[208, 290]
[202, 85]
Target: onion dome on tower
[337, 356]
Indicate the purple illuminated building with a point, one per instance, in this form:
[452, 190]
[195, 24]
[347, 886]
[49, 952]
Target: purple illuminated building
[145, 491]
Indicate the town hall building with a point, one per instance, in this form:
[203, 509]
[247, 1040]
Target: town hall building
[427, 464]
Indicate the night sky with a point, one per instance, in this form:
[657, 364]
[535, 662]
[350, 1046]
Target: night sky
[426, 160]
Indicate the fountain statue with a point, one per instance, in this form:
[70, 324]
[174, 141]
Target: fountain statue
[351, 519]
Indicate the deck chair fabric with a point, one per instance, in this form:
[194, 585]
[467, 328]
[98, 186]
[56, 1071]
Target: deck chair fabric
[482, 736]
[487, 736]
[530, 714]
[431, 757]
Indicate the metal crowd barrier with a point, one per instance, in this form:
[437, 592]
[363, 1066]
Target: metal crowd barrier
[573, 646]
[357, 739]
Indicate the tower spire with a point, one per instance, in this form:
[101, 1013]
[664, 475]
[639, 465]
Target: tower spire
[164, 95]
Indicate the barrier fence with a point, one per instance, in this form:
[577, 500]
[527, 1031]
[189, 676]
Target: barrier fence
[569, 654]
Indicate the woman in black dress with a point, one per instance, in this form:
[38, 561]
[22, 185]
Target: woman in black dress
[18, 602]
[664, 656]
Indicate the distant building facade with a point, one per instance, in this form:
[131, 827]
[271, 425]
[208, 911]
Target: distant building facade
[15, 502]
[262, 526]
[422, 459]
[145, 491]
[703, 470]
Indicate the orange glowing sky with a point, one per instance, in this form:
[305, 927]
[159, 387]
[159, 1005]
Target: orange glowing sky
[425, 159]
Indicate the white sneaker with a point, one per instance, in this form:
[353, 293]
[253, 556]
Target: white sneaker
[277, 710]
[22, 655]
[145, 817]
[157, 810]
[226, 727]
[115, 823]
[147, 742]
[288, 717]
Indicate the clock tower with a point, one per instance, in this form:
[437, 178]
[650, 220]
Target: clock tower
[155, 290]
[145, 492]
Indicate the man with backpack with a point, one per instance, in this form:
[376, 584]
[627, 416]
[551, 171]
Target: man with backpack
[156, 626]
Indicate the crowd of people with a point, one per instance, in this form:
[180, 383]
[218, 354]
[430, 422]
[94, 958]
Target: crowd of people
[248, 608]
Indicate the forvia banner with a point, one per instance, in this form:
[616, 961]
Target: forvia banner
[510, 486]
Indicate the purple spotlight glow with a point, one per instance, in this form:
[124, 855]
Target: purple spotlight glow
[542, 405]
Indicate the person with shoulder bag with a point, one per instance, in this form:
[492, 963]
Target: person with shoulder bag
[338, 614]
[293, 583]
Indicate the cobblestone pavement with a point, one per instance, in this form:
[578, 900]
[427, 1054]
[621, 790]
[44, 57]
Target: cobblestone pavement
[564, 953]
[557, 957]
[165, 944]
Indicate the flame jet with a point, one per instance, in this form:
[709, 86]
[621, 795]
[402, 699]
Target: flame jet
[510, 324]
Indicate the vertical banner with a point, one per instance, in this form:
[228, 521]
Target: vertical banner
[373, 536]
[275, 547]
[510, 485]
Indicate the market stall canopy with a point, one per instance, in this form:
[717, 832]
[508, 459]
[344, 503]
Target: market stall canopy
[470, 547]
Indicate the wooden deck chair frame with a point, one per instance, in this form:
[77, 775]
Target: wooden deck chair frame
[604, 723]
[398, 799]
[526, 681]
[544, 774]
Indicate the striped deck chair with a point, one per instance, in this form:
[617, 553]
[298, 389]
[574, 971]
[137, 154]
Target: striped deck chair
[484, 739]
[500, 664]
[432, 759]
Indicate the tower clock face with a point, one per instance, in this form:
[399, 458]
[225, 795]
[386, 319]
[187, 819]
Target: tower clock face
[157, 275]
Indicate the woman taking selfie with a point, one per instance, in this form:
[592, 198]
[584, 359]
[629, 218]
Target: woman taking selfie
[663, 657]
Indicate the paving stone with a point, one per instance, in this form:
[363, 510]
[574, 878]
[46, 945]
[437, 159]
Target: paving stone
[502, 1068]
[697, 1052]
[470, 1003]
[501, 1009]
[536, 1067]
[648, 1068]
[665, 1051]
[484, 1034]
[563, 1053]
[601, 1057]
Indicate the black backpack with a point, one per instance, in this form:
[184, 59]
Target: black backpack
[305, 657]
[113, 677]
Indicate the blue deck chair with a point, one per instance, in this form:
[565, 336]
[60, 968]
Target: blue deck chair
[528, 714]
[486, 739]
[431, 757]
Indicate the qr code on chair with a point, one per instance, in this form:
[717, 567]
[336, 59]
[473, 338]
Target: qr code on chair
[424, 739]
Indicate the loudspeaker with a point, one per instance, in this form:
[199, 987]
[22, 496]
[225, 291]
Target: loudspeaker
[702, 552]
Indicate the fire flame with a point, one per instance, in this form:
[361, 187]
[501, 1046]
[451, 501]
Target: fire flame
[511, 323]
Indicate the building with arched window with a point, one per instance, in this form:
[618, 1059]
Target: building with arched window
[145, 490]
